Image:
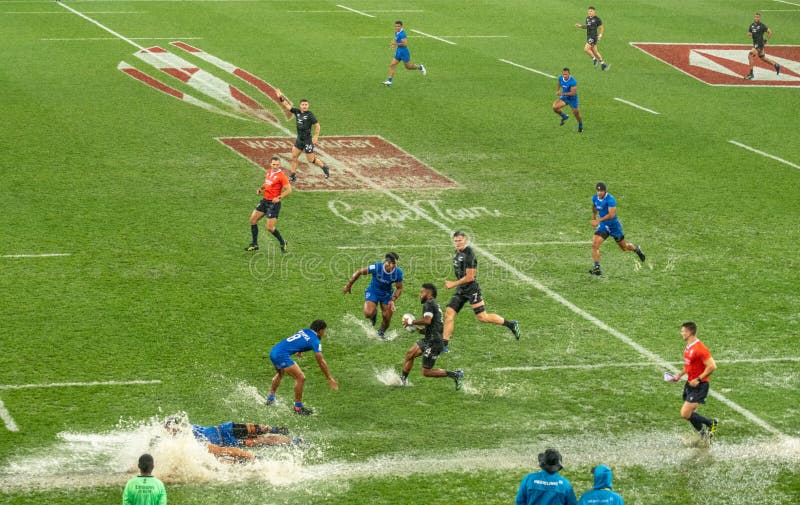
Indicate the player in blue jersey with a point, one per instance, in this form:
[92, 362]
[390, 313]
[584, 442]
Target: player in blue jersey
[601, 493]
[401, 53]
[224, 440]
[606, 224]
[307, 339]
[380, 290]
[567, 92]
[546, 487]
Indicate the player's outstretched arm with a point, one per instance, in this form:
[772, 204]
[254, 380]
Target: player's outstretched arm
[353, 278]
[324, 367]
[285, 102]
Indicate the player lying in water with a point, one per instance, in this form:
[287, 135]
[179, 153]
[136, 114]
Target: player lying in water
[224, 440]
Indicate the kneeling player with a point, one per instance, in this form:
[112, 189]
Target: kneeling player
[431, 346]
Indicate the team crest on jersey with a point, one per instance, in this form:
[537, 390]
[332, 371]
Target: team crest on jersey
[727, 64]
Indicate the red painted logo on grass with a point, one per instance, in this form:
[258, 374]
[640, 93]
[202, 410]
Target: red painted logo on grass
[362, 162]
[727, 64]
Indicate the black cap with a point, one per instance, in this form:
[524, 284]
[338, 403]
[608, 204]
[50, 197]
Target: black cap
[601, 186]
[550, 460]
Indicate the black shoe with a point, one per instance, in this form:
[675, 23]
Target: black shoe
[639, 253]
[580, 128]
[777, 69]
[595, 271]
[749, 77]
[251, 247]
[563, 120]
[284, 246]
[302, 411]
[280, 430]
[293, 177]
[515, 329]
[326, 171]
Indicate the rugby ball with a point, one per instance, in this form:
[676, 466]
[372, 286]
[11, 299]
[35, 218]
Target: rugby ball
[408, 319]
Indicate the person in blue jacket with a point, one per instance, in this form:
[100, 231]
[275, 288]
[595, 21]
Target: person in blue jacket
[601, 494]
[546, 487]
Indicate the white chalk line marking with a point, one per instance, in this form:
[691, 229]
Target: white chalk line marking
[643, 364]
[354, 10]
[5, 415]
[785, 2]
[340, 12]
[434, 37]
[447, 36]
[77, 384]
[446, 246]
[528, 68]
[79, 39]
[43, 255]
[762, 153]
[656, 359]
[58, 12]
[636, 105]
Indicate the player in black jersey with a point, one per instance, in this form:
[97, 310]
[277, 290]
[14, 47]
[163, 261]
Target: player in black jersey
[432, 345]
[305, 141]
[594, 32]
[757, 31]
[467, 290]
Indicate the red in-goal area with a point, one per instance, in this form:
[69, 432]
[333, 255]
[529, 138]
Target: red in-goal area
[727, 64]
[357, 163]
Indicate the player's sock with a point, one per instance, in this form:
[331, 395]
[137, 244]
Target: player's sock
[452, 375]
[277, 235]
[298, 405]
[564, 116]
[597, 264]
[389, 80]
[696, 422]
[701, 419]
[508, 324]
[254, 233]
[405, 375]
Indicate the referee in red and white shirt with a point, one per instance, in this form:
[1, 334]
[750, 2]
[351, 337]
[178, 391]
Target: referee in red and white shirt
[698, 365]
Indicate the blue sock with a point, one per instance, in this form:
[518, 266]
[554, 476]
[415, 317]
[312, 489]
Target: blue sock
[563, 116]
[298, 404]
[389, 79]
[271, 397]
[597, 264]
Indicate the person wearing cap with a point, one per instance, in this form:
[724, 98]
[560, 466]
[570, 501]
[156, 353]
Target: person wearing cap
[380, 291]
[144, 489]
[601, 493]
[307, 339]
[546, 487]
[606, 224]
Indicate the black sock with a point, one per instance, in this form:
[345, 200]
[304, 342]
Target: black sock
[254, 232]
[450, 374]
[698, 421]
[508, 324]
[405, 375]
[277, 235]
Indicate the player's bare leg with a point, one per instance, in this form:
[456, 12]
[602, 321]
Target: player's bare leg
[597, 241]
[314, 159]
[770, 61]
[449, 323]
[293, 164]
[408, 362]
[587, 48]
[410, 66]
[486, 317]
[371, 311]
[626, 246]
[276, 383]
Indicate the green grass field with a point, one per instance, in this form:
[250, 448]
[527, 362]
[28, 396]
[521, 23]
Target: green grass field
[152, 213]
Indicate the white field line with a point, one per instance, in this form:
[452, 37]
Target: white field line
[654, 358]
[762, 153]
[642, 364]
[434, 37]
[528, 68]
[77, 384]
[340, 12]
[44, 255]
[60, 12]
[785, 2]
[447, 246]
[779, 10]
[447, 36]
[5, 415]
[354, 10]
[74, 39]
[635, 105]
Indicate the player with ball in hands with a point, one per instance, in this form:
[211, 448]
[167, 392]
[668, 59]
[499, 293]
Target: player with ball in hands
[432, 344]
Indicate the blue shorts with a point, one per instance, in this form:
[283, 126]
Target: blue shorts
[226, 434]
[402, 54]
[280, 360]
[572, 100]
[610, 228]
[375, 296]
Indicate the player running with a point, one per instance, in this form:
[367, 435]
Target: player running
[276, 187]
[305, 141]
[698, 365]
[567, 92]
[432, 345]
[594, 32]
[380, 289]
[307, 339]
[465, 265]
[607, 224]
[401, 53]
[757, 31]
